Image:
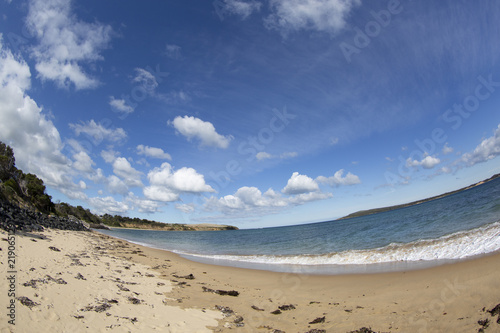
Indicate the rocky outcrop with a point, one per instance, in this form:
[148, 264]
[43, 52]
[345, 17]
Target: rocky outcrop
[13, 218]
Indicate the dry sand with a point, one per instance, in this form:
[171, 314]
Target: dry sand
[177, 295]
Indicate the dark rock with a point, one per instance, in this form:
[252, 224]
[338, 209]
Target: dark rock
[53, 248]
[80, 277]
[134, 300]
[256, 308]
[187, 277]
[286, 307]
[495, 311]
[15, 219]
[225, 310]
[276, 312]
[363, 330]
[484, 323]
[318, 320]
[221, 292]
[238, 319]
[315, 330]
[27, 302]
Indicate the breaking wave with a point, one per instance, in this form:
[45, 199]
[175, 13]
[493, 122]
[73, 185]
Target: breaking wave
[459, 245]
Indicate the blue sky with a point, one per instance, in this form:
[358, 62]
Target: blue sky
[254, 113]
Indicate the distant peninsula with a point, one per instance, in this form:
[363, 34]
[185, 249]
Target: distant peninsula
[386, 209]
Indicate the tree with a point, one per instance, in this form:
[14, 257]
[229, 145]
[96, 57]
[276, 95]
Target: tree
[7, 162]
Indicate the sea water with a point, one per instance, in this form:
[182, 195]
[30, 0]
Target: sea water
[455, 227]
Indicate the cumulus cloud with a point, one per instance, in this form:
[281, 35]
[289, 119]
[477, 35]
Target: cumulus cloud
[428, 162]
[153, 152]
[165, 183]
[298, 184]
[253, 202]
[447, 149]
[246, 198]
[120, 105]
[204, 131]
[108, 205]
[123, 169]
[487, 150]
[99, 132]
[23, 125]
[83, 162]
[65, 43]
[338, 179]
[318, 15]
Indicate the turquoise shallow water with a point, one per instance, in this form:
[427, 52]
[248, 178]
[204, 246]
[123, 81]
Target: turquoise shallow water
[452, 228]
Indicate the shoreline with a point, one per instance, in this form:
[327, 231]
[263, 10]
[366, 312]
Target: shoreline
[449, 297]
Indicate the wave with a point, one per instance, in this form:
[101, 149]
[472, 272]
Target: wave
[459, 245]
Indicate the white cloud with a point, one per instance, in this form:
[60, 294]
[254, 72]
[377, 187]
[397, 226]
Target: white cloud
[186, 208]
[64, 43]
[166, 184]
[447, 149]
[204, 131]
[263, 156]
[173, 51]
[98, 132]
[241, 8]
[123, 169]
[108, 205]
[251, 201]
[120, 105]
[116, 186]
[308, 197]
[83, 162]
[153, 152]
[298, 184]
[428, 162]
[23, 125]
[160, 193]
[487, 150]
[109, 156]
[247, 198]
[146, 80]
[338, 179]
[320, 15]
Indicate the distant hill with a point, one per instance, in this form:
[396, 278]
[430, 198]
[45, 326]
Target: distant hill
[386, 209]
[118, 221]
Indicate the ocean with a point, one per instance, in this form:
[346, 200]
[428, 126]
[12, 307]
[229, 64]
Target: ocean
[456, 227]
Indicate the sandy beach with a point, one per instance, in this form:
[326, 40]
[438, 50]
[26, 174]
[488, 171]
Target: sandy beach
[68, 281]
